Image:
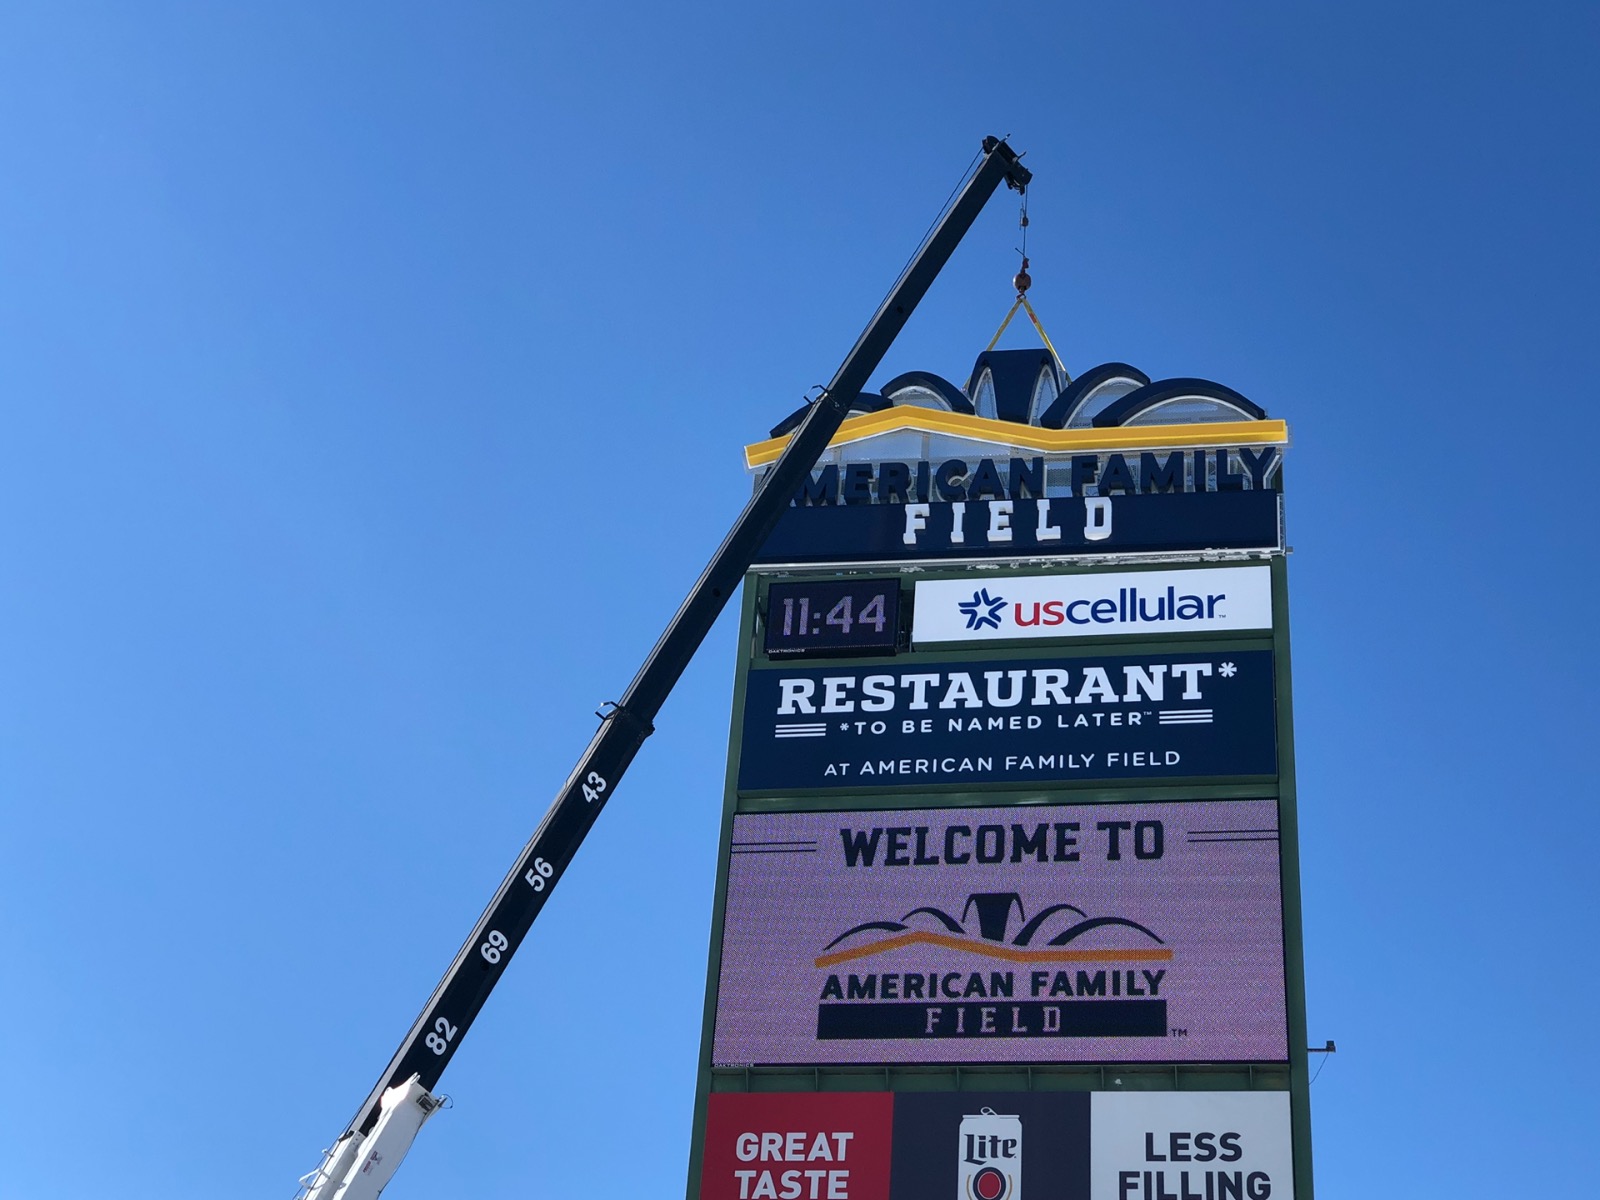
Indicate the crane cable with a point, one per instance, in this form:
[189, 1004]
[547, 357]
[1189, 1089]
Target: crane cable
[1022, 281]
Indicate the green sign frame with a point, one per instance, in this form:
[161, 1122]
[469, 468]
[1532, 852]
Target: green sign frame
[1292, 1077]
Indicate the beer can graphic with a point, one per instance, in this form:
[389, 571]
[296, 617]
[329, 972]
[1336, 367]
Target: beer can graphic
[991, 1157]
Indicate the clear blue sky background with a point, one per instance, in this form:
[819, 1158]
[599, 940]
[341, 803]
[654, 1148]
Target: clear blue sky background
[374, 378]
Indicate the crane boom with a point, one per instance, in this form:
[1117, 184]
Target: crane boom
[365, 1156]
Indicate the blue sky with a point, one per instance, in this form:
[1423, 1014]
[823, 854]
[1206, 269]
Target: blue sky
[374, 383]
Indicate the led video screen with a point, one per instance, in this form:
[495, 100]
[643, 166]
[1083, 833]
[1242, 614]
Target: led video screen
[1083, 933]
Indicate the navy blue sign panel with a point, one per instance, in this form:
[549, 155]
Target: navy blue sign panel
[1030, 721]
[1077, 525]
[992, 1146]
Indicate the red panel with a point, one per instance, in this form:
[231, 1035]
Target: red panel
[798, 1146]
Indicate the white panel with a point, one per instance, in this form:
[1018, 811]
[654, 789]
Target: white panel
[1163, 1145]
[986, 608]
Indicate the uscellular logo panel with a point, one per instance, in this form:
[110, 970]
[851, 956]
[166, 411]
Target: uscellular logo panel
[1083, 933]
[1062, 607]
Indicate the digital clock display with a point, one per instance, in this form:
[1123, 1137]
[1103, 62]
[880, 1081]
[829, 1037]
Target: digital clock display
[855, 616]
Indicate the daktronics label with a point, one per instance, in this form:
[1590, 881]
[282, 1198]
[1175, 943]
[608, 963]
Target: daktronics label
[1145, 932]
[1041, 720]
[1210, 600]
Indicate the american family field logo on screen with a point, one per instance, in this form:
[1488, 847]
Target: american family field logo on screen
[1013, 973]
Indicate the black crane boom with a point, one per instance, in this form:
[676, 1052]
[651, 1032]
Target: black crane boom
[483, 958]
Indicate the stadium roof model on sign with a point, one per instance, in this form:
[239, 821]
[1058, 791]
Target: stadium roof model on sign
[1028, 388]
[1023, 400]
[1025, 462]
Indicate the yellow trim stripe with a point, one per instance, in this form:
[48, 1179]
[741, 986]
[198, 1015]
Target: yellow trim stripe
[1030, 437]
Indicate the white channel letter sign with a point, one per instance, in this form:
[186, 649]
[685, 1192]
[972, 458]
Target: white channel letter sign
[984, 608]
[1164, 1145]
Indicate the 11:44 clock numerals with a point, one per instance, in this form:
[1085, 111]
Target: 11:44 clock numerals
[840, 616]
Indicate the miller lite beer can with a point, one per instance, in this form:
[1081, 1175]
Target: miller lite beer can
[991, 1157]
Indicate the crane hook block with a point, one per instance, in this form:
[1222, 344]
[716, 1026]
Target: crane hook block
[1022, 281]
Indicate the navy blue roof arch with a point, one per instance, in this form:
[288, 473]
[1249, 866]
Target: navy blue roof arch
[1015, 374]
[937, 384]
[1135, 403]
[1059, 413]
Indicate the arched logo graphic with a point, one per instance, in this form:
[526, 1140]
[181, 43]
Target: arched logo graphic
[1033, 941]
[1060, 973]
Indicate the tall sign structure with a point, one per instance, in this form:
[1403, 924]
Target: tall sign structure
[1008, 896]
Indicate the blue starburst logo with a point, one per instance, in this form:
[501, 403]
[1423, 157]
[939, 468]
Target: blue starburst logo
[983, 610]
